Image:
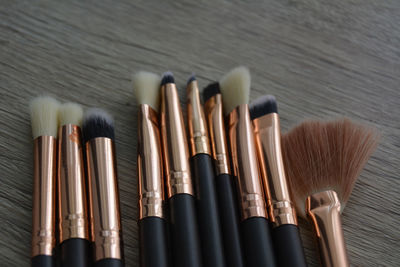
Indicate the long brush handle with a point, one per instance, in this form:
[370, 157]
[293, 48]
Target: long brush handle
[184, 231]
[109, 263]
[43, 261]
[75, 252]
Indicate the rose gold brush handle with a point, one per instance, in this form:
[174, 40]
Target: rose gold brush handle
[323, 209]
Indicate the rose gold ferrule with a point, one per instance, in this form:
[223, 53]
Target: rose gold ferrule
[104, 199]
[323, 210]
[198, 133]
[149, 162]
[44, 196]
[72, 205]
[244, 163]
[268, 143]
[174, 142]
[214, 114]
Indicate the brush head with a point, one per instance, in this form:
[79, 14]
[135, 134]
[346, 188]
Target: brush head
[167, 77]
[97, 123]
[44, 116]
[235, 88]
[70, 113]
[321, 156]
[211, 90]
[263, 105]
[192, 78]
[146, 86]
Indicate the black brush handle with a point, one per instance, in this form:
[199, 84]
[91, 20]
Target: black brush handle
[75, 252]
[185, 245]
[229, 216]
[109, 263]
[153, 242]
[43, 261]
[207, 211]
[288, 247]
[257, 243]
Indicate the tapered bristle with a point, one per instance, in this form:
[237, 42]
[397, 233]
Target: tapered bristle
[44, 116]
[263, 105]
[167, 77]
[211, 90]
[321, 156]
[97, 123]
[146, 86]
[70, 113]
[192, 78]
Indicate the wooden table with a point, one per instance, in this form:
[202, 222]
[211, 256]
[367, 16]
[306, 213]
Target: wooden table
[321, 59]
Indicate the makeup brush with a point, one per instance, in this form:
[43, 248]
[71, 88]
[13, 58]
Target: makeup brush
[152, 224]
[44, 111]
[105, 220]
[324, 160]
[204, 179]
[226, 192]
[257, 244]
[186, 249]
[285, 233]
[72, 209]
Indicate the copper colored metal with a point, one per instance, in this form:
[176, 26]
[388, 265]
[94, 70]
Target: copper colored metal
[323, 210]
[149, 162]
[73, 216]
[44, 196]
[268, 142]
[174, 142]
[214, 113]
[244, 163]
[198, 133]
[104, 199]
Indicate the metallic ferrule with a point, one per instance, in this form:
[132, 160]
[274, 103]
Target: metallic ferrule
[149, 162]
[323, 210]
[44, 196]
[244, 163]
[72, 212]
[214, 114]
[174, 142]
[268, 143]
[105, 221]
[198, 133]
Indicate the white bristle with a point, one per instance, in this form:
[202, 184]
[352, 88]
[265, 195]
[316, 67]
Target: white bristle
[70, 113]
[146, 86]
[235, 88]
[44, 116]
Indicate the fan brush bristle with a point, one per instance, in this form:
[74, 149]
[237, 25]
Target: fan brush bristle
[323, 156]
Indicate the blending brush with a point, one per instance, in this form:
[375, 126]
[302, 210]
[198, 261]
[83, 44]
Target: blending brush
[152, 224]
[183, 223]
[44, 112]
[323, 161]
[105, 220]
[226, 191]
[72, 204]
[204, 179]
[285, 233]
[257, 243]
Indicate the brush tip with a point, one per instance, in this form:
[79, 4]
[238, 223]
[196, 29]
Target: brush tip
[70, 113]
[263, 105]
[211, 90]
[167, 77]
[97, 123]
[191, 78]
[44, 116]
[146, 86]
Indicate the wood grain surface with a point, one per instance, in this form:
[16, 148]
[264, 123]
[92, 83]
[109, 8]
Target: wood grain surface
[322, 59]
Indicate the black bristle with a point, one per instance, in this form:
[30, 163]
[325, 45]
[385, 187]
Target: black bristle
[167, 77]
[192, 78]
[97, 123]
[211, 90]
[262, 106]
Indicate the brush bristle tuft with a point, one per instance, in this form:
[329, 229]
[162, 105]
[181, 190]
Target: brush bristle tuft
[192, 78]
[167, 77]
[146, 86]
[235, 88]
[321, 156]
[211, 90]
[44, 116]
[97, 123]
[70, 113]
[263, 105]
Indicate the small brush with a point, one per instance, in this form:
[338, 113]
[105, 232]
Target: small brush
[257, 243]
[152, 224]
[44, 112]
[324, 160]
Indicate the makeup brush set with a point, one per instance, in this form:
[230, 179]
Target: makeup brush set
[226, 194]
